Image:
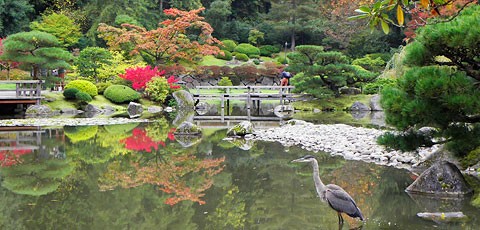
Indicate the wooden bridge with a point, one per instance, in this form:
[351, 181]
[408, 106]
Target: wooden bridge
[250, 94]
[25, 92]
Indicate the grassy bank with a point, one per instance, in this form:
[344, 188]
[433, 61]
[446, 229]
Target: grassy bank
[332, 104]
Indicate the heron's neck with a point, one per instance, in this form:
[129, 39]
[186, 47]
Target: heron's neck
[319, 186]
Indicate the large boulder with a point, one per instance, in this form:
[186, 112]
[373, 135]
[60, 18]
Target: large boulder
[134, 109]
[241, 129]
[38, 111]
[349, 90]
[184, 99]
[442, 179]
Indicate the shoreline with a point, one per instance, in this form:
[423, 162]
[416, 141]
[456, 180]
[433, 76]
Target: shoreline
[352, 143]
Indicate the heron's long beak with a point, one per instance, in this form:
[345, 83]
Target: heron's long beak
[297, 160]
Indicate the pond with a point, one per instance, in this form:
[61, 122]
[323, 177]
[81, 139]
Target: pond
[141, 176]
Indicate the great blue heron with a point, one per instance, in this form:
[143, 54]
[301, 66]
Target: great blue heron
[336, 197]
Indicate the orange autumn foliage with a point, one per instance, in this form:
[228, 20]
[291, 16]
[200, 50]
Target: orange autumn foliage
[169, 43]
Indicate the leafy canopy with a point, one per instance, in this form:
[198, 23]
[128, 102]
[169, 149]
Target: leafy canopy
[61, 26]
[171, 42]
[36, 49]
[440, 87]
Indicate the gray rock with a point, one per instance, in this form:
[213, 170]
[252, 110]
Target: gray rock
[188, 128]
[443, 179]
[38, 110]
[284, 111]
[184, 99]
[108, 109]
[154, 109]
[443, 217]
[349, 90]
[241, 129]
[89, 108]
[134, 109]
[359, 114]
[375, 103]
[72, 111]
[358, 106]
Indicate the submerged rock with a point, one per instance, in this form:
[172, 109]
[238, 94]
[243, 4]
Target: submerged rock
[443, 179]
[358, 106]
[443, 217]
[134, 109]
[241, 129]
[38, 111]
[188, 128]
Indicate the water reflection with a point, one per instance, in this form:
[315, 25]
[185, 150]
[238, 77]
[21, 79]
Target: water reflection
[138, 176]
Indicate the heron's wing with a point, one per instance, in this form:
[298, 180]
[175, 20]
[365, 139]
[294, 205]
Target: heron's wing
[341, 201]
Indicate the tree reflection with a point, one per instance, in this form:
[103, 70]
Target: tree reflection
[170, 169]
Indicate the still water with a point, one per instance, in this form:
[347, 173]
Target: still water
[141, 176]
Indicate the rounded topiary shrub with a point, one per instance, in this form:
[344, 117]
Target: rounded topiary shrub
[242, 57]
[229, 45]
[69, 94]
[247, 49]
[268, 50]
[84, 86]
[226, 55]
[121, 94]
[83, 97]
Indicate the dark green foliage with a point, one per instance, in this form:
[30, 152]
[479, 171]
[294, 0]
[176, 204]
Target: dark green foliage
[457, 40]
[256, 61]
[247, 49]
[90, 61]
[14, 16]
[102, 86]
[254, 56]
[35, 50]
[268, 50]
[313, 85]
[84, 86]
[329, 70]
[121, 94]
[70, 93]
[242, 57]
[229, 45]
[371, 63]
[377, 86]
[408, 141]
[83, 97]
[226, 55]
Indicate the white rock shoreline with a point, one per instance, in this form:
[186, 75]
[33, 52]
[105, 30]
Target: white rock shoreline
[353, 143]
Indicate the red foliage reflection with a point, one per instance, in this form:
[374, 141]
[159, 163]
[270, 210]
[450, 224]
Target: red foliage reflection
[139, 141]
[12, 157]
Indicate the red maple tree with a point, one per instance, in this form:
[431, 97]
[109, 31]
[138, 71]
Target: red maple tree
[140, 76]
[169, 43]
[6, 65]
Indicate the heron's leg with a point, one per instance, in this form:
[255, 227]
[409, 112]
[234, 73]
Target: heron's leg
[340, 218]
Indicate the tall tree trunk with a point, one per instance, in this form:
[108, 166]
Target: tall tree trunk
[36, 70]
[161, 5]
[294, 6]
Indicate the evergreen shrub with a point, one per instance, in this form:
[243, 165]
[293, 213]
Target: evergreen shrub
[83, 97]
[227, 55]
[241, 57]
[229, 45]
[84, 86]
[121, 94]
[268, 50]
[247, 49]
[69, 94]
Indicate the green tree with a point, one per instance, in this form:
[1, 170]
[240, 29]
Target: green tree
[91, 60]
[255, 37]
[36, 50]
[439, 87]
[14, 16]
[330, 70]
[293, 16]
[217, 15]
[60, 25]
[186, 4]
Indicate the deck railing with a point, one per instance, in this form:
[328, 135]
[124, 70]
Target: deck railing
[26, 92]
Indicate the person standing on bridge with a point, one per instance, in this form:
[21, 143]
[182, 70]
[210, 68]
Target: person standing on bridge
[285, 81]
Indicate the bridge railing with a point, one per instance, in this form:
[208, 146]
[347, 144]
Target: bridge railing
[250, 89]
[25, 91]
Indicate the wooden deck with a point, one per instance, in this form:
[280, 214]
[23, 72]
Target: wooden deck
[25, 92]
